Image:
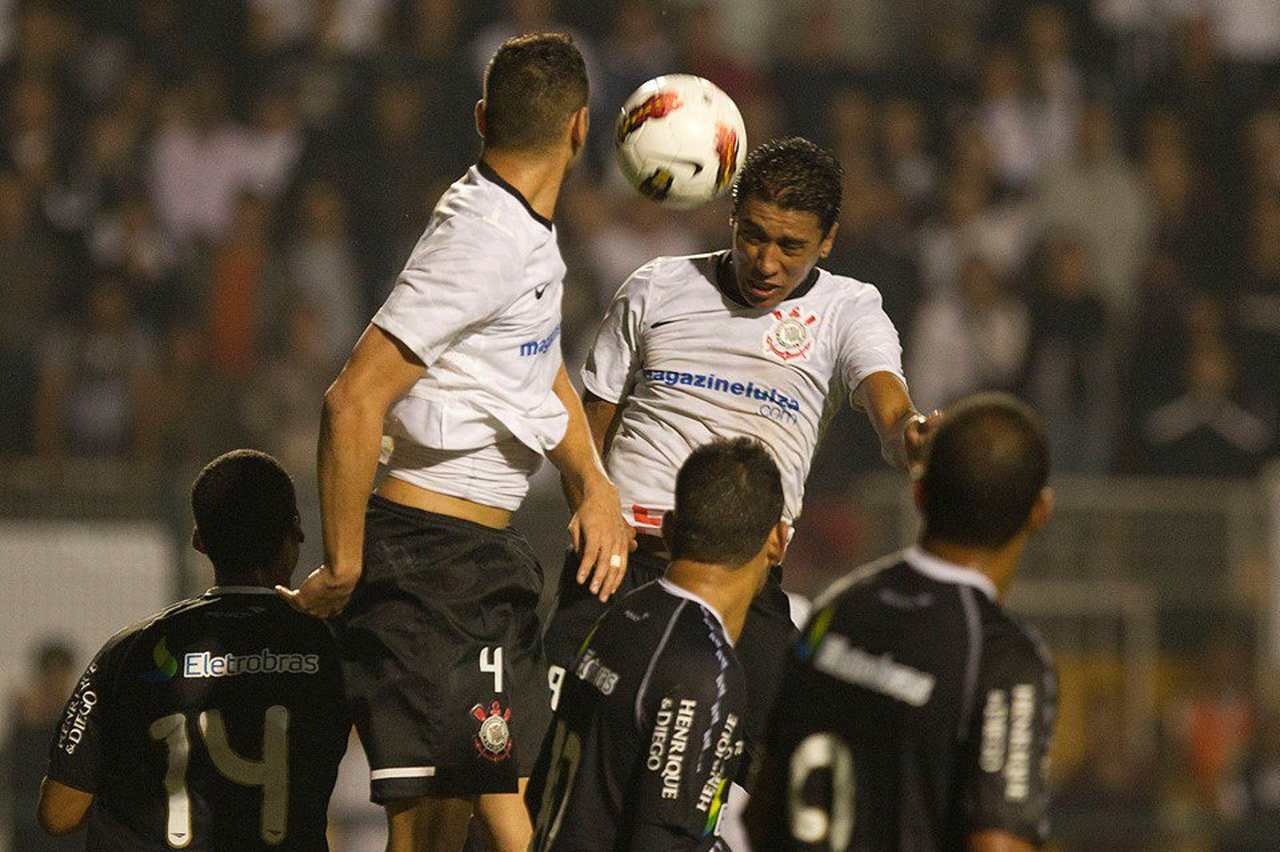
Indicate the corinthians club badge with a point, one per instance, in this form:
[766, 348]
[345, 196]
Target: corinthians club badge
[493, 740]
[791, 337]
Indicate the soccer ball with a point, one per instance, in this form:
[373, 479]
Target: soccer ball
[680, 140]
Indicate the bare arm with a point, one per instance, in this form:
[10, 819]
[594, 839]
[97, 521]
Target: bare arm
[903, 431]
[602, 418]
[998, 841]
[379, 372]
[598, 530]
[62, 809]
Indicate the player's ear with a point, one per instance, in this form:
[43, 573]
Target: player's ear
[1041, 509]
[196, 542]
[480, 117]
[917, 494]
[297, 529]
[579, 124]
[776, 544]
[828, 240]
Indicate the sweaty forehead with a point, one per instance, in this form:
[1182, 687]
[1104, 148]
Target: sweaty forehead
[780, 223]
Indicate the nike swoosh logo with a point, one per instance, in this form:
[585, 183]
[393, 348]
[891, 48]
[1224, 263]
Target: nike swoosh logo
[661, 323]
[693, 164]
[538, 291]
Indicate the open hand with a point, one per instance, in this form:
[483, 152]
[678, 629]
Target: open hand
[603, 538]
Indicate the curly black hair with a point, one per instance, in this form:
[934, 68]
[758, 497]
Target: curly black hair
[794, 174]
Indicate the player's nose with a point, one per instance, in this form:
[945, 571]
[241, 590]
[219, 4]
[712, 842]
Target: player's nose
[767, 262]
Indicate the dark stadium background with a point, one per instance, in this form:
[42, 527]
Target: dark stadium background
[201, 203]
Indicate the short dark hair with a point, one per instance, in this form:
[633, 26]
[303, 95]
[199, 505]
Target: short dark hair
[728, 498]
[531, 87]
[244, 506]
[794, 174]
[985, 467]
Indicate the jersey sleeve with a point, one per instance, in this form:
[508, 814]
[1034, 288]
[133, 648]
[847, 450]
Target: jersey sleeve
[617, 350]
[691, 726]
[454, 280]
[78, 751]
[868, 340]
[1006, 779]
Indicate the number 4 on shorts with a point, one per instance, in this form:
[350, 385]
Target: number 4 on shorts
[491, 662]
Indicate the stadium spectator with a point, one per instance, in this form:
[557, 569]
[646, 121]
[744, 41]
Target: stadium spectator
[246, 288]
[1066, 370]
[1207, 430]
[126, 239]
[96, 375]
[34, 714]
[31, 269]
[321, 269]
[199, 160]
[1097, 195]
[904, 148]
[976, 339]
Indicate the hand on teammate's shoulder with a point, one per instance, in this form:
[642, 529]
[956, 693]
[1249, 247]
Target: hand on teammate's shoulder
[323, 594]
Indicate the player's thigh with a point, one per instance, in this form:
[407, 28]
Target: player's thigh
[506, 817]
[427, 824]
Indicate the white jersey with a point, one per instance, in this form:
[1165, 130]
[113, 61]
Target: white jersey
[479, 303]
[688, 363]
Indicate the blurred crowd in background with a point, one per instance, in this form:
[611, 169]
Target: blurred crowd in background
[201, 204]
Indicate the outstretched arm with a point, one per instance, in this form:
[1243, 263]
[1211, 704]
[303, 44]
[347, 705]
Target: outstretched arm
[600, 534]
[379, 372]
[904, 432]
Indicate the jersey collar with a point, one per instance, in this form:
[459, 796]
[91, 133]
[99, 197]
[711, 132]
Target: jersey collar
[487, 172]
[682, 592]
[948, 572]
[729, 287]
[239, 590]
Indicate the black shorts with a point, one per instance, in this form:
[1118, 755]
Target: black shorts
[442, 655]
[762, 648]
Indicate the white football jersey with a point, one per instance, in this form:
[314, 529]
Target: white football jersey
[479, 303]
[688, 363]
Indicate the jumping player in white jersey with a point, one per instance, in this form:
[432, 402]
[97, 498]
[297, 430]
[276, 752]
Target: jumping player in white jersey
[431, 595]
[755, 341]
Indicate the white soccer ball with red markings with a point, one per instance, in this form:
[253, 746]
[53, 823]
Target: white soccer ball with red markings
[680, 140]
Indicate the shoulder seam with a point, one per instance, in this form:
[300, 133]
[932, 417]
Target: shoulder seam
[653, 662]
[854, 578]
[973, 627]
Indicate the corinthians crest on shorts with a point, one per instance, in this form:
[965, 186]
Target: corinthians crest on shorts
[791, 337]
[493, 740]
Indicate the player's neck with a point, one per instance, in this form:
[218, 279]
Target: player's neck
[998, 565]
[537, 178]
[726, 590]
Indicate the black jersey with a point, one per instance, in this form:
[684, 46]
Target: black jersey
[914, 712]
[216, 724]
[647, 733]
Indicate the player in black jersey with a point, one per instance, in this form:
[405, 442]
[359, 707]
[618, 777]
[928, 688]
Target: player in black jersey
[218, 723]
[917, 712]
[649, 728]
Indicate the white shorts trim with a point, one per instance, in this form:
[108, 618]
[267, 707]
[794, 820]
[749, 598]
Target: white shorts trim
[402, 772]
